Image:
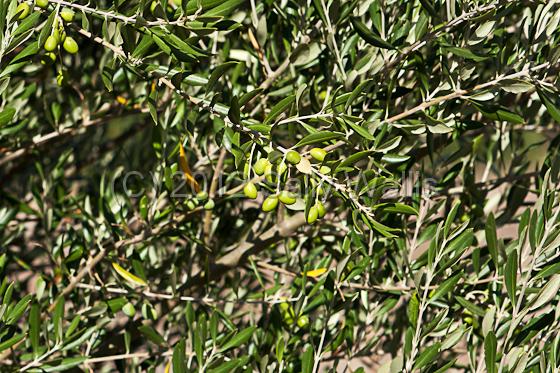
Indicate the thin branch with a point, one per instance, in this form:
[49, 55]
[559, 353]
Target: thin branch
[280, 69]
[70, 131]
[440, 31]
[93, 261]
[463, 92]
[490, 183]
[203, 300]
[135, 355]
[139, 21]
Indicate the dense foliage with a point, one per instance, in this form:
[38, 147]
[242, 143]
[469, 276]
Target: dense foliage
[300, 186]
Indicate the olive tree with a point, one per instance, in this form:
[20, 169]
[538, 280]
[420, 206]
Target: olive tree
[292, 185]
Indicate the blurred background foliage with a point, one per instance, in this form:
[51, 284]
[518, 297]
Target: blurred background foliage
[293, 185]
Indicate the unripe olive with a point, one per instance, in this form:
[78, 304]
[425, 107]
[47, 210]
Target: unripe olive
[284, 306]
[48, 58]
[268, 172]
[129, 310]
[209, 205]
[260, 166]
[148, 312]
[67, 14]
[191, 205]
[303, 321]
[60, 79]
[293, 157]
[320, 209]
[70, 45]
[202, 196]
[51, 43]
[287, 312]
[292, 244]
[23, 10]
[325, 170]
[318, 154]
[250, 190]
[56, 34]
[320, 190]
[270, 203]
[288, 318]
[312, 215]
[42, 3]
[153, 6]
[287, 198]
[281, 168]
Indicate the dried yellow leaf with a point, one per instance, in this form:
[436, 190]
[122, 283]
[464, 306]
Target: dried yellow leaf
[316, 272]
[122, 100]
[186, 169]
[129, 276]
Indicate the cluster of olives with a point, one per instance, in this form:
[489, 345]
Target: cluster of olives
[264, 167]
[24, 8]
[59, 36]
[289, 316]
[148, 312]
[201, 197]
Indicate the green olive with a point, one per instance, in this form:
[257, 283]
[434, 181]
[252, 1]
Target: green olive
[287, 198]
[268, 173]
[303, 321]
[260, 166]
[312, 215]
[51, 43]
[129, 310]
[42, 3]
[292, 244]
[149, 312]
[191, 204]
[287, 312]
[318, 154]
[209, 205]
[56, 34]
[270, 203]
[48, 58]
[284, 306]
[67, 14]
[70, 45]
[293, 157]
[431, 293]
[153, 6]
[250, 190]
[23, 10]
[281, 168]
[325, 170]
[202, 196]
[288, 318]
[320, 209]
